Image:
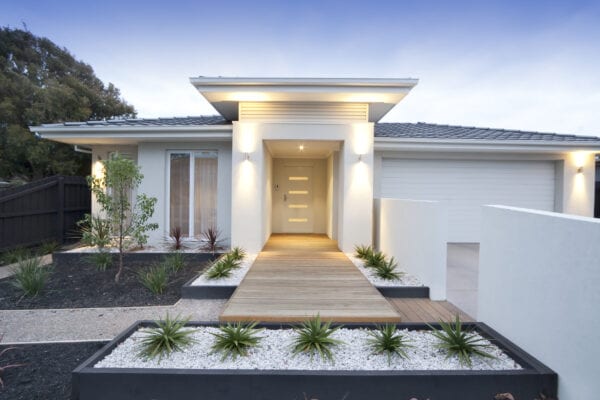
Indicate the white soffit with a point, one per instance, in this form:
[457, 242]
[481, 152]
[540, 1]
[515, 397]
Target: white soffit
[225, 94]
[302, 148]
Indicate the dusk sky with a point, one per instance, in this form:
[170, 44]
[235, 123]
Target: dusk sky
[506, 64]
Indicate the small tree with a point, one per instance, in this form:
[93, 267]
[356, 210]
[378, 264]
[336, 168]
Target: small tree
[127, 222]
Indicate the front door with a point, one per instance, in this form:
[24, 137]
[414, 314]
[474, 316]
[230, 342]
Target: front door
[297, 196]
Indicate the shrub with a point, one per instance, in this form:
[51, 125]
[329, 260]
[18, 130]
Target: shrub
[49, 247]
[235, 340]
[212, 238]
[175, 262]
[363, 252]
[168, 336]
[30, 276]
[374, 259]
[16, 255]
[386, 339]
[176, 235]
[155, 279]
[314, 336]
[101, 259]
[238, 253]
[95, 231]
[223, 267]
[387, 270]
[459, 342]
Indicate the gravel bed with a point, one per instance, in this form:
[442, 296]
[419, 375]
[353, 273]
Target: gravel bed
[405, 280]
[274, 352]
[192, 247]
[233, 280]
[46, 374]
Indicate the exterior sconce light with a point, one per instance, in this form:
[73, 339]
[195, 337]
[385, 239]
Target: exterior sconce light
[360, 157]
[247, 156]
[580, 170]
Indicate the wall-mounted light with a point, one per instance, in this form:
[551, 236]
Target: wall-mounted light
[580, 170]
[247, 156]
[360, 157]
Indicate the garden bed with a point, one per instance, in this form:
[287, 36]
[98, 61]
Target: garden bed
[116, 373]
[47, 370]
[201, 287]
[75, 283]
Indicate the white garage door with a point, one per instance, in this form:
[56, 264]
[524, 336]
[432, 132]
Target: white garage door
[466, 185]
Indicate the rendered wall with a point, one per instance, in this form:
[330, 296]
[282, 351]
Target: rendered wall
[539, 274]
[415, 234]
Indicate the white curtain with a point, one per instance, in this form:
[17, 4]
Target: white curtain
[205, 191]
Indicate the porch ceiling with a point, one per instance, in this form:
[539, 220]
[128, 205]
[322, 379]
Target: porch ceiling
[302, 148]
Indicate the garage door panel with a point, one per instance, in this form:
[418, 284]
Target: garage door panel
[466, 185]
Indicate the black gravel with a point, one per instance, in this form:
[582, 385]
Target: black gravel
[46, 374]
[77, 284]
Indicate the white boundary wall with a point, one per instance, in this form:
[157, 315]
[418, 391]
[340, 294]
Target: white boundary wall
[415, 233]
[539, 285]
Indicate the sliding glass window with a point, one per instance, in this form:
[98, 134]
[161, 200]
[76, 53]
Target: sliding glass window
[193, 191]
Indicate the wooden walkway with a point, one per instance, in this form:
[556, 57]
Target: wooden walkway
[297, 276]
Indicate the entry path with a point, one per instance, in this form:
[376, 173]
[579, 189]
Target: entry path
[296, 277]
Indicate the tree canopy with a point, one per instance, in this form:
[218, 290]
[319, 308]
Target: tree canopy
[43, 83]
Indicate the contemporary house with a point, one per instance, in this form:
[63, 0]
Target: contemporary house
[307, 155]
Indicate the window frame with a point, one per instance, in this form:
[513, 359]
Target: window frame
[192, 189]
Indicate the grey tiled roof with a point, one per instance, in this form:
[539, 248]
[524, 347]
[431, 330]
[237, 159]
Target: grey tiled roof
[421, 130]
[175, 121]
[400, 130]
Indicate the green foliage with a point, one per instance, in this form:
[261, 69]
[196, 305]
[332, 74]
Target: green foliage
[314, 336]
[175, 262]
[387, 270]
[30, 276]
[101, 259]
[459, 342]
[363, 252]
[49, 247]
[95, 231]
[374, 259]
[43, 83]
[223, 267]
[238, 253]
[155, 278]
[112, 190]
[235, 340]
[168, 336]
[386, 339]
[16, 255]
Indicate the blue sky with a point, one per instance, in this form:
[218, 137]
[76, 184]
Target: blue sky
[506, 64]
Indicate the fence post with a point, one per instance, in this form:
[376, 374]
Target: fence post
[61, 209]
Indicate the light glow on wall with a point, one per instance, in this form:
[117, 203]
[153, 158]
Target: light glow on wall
[247, 139]
[362, 139]
[247, 96]
[98, 170]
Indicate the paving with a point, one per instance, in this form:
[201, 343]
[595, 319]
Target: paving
[92, 324]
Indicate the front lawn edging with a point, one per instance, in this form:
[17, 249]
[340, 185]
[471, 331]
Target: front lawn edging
[206, 292]
[91, 383]
[406, 292]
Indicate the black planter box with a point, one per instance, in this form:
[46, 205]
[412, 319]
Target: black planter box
[205, 292]
[164, 384]
[133, 257]
[405, 292]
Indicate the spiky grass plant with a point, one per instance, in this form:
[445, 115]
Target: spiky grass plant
[15, 255]
[30, 276]
[155, 278]
[231, 260]
[169, 335]
[176, 235]
[314, 336]
[374, 259]
[238, 253]
[101, 259]
[212, 238]
[49, 247]
[223, 267]
[457, 341]
[363, 252]
[386, 339]
[175, 262]
[235, 340]
[387, 270]
[95, 231]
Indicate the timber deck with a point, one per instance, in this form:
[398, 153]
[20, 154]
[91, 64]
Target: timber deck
[296, 277]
